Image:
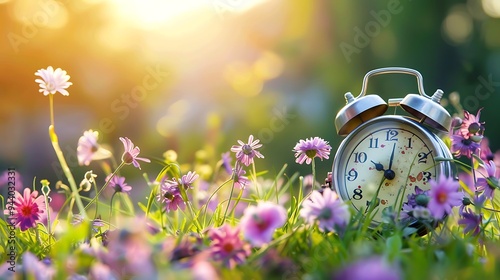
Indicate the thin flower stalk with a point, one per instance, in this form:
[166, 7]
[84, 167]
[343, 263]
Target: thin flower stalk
[71, 180]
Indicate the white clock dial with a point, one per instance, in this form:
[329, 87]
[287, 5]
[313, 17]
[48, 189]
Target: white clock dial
[386, 158]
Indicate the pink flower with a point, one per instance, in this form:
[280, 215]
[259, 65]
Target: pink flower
[259, 222]
[326, 210]
[53, 81]
[373, 268]
[26, 210]
[118, 184]
[171, 196]
[131, 153]
[88, 148]
[240, 180]
[227, 246]
[471, 126]
[246, 152]
[306, 151]
[444, 194]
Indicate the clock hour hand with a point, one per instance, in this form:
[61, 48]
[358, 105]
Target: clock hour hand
[378, 166]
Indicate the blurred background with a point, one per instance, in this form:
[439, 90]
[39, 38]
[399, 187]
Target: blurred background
[195, 76]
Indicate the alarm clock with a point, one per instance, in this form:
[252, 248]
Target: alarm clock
[383, 158]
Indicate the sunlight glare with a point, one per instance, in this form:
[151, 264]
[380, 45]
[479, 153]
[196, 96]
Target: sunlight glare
[149, 14]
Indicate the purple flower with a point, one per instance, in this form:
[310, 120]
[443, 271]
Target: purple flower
[226, 162]
[101, 271]
[118, 184]
[470, 221]
[11, 179]
[259, 222]
[463, 146]
[416, 204]
[129, 253]
[444, 194]
[188, 179]
[227, 246]
[246, 152]
[310, 148]
[372, 268]
[131, 153]
[171, 196]
[27, 209]
[240, 180]
[326, 210]
[489, 184]
[53, 81]
[33, 268]
[88, 148]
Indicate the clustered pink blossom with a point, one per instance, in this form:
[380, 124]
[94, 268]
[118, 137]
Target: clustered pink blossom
[227, 246]
[27, 209]
[259, 222]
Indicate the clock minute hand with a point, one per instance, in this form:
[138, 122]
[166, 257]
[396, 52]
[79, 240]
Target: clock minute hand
[389, 173]
[392, 156]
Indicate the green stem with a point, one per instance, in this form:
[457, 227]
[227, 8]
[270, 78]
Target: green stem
[182, 190]
[111, 209]
[210, 198]
[106, 184]
[233, 177]
[66, 170]
[97, 204]
[313, 166]
[48, 217]
[254, 179]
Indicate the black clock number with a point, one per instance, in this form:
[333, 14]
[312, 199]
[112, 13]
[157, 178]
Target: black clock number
[360, 157]
[391, 135]
[426, 176]
[409, 143]
[352, 175]
[373, 143]
[358, 194]
[422, 157]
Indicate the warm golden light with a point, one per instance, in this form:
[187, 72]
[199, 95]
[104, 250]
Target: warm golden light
[491, 8]
[150, 14]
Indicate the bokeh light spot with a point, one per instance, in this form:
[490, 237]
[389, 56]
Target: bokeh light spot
[243, 79]
[170, 123]
[268, 66]
[457, 25]
[491, 8]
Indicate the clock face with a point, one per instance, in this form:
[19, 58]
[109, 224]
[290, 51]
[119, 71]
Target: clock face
[386, 158]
